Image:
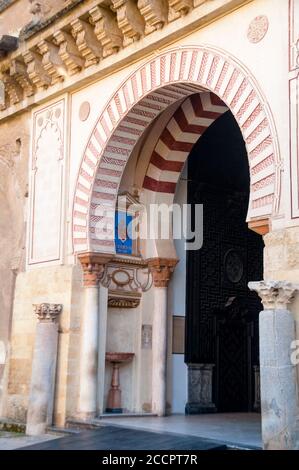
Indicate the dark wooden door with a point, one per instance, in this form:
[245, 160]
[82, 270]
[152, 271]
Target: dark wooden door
[232, 369]
[221, 312]
[233, 382]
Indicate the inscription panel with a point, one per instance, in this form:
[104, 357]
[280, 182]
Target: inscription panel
[178, 335]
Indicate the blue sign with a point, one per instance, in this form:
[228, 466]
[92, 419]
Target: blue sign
[123, 233]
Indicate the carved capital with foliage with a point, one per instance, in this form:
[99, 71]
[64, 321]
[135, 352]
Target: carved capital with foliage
[161, 269]
[47, 312]
[93, 265]
[275, 295]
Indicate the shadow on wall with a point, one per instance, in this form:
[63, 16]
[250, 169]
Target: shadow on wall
[14, 151]
[2, 363]
[6, 284]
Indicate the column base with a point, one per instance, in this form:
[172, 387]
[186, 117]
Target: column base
[85, 416]
[35, 429]
[197, 408]
[200, 386]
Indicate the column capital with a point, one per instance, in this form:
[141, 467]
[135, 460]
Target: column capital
[275, 295]
[161, 269]
[93, 265]
[47, 312]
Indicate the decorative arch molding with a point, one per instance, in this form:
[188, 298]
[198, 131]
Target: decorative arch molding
[184, 128]
[170, 76]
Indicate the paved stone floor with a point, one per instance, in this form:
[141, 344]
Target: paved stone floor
[118, 438]
[13, 440]
[176, 432]
[242, 429]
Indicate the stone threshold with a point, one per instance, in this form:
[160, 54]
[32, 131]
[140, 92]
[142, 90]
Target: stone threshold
[63, 431]
[124, 415]
[93, 423]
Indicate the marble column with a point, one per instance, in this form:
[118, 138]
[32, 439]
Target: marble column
[41, 398]
[103, 312]
[279, 393]
[93, 265]
[161, 269]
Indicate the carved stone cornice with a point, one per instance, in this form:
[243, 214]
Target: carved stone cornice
[51, 61]
[154, 12]
[275, 295]
[35, 70]
[106, 29]
[93, 265]
[87, 43]
[181, 7]
[47, 312]
[18, 71]
[13, 89]
[129, 19]
[162, 269]
[68, 51]
[82, 34]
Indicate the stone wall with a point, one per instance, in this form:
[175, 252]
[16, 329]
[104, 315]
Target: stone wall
[61, 285]
[282, 254]
[16, 14]
[14, 151]
[281, 260]
[14, 17]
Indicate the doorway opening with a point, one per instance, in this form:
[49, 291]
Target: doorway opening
[221, 335]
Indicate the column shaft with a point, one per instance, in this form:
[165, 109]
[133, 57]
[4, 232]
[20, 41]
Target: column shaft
[278, 380]
[279, 394]
[41, 398]
[159, 351]
[93, 265]
[161, 269]
[103, 310]
[89, 354]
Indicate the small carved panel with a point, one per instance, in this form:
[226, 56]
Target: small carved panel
[200, 389]
[146, 336]
[178, 335]
[257, 29]
[126, 278]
